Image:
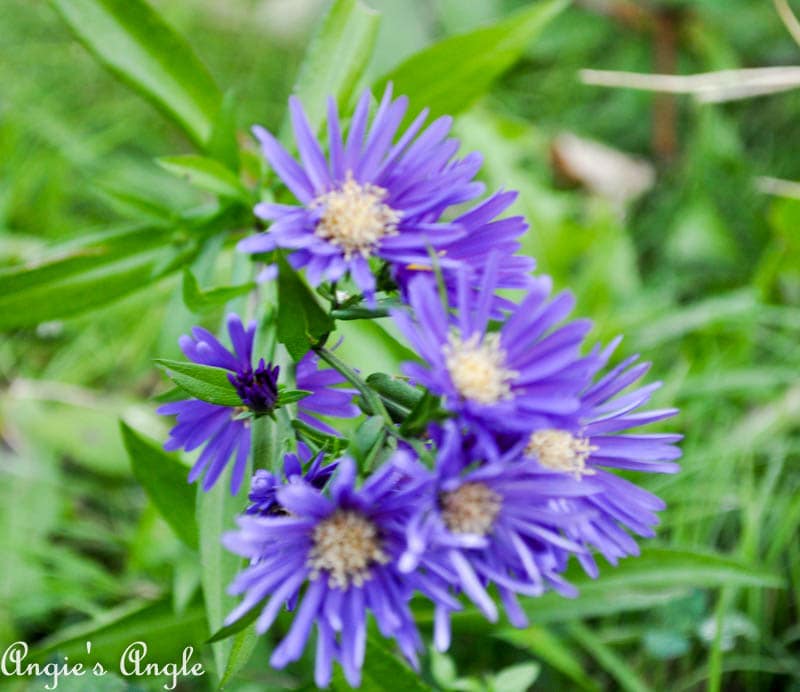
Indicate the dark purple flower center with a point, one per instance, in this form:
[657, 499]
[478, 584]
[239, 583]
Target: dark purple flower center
[257, 389]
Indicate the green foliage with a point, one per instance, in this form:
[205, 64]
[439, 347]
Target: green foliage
[301, 320]
[336, 57]
[382, 671]
[94, 272]
[216, 510]
[202, 381]
[450, 75]
[113, 631]
[367, 442]
[207, 174]
[201, 301]
[134, 42]
[291, 396]
[427, 409]
[700, 273]
[164, 479]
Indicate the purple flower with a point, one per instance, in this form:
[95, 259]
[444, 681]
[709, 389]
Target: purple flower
[490, 523]
[525, 376]
[374, 195]
[264, 485]
[343, 548]
[484, 234]
[221, 428]
[225, 430]
[600, 440]
[326, 398]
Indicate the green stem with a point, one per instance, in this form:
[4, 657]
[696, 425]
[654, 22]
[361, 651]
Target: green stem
[358, 313]
[371, 397]
[265, 444]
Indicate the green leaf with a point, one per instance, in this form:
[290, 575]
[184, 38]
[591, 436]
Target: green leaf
[638, 583]
[76, 277]
[382, 671]
[625, 675]
[659, 566]
[235, 627]
[202, 381]
[207, 174]
[103, 267]
[336, 58]
[426, 410]
[367, 441]
[657, 576]
[134, 42]
[359, 312]
[200, 301]
[301, 319]
[267, 444]
[242, 647]
[223, 145]
[164, 479]
[450, 75]
[395, 389]
[517, 678]
[290, 396]
[548, 647]
[216, 513]
[112, 631]
[442, 668]
[335, 445]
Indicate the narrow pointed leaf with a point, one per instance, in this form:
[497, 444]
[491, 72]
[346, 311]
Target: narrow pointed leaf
[199, 300]
[216, 513]
[290, 396]
[206, 174]
[164, 479]
[336, 58]
[450, 75]
[138, 46]
[301, 320]
[201, 381]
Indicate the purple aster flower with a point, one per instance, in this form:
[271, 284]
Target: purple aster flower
[326, 398]
[343, 547]
[264, 485]
[222, 429]
[490, 523]
[484, 234]
[225, 430]
[600, 440]
[375, 195]
[525, 376]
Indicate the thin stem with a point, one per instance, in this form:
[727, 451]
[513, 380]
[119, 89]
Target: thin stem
[359, 313]
[265, 444]
[370, 396]
[789, 19]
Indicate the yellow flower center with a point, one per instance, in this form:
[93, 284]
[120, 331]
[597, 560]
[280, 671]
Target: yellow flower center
[355, 218]
[560, 451]
[472, 508]
[477, 368]
[345, 545]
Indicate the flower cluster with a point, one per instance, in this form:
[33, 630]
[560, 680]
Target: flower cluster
[515, 468]
[224, 431]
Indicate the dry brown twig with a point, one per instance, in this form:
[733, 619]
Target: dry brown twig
[712, 87]
[709, 87]
[788, 18]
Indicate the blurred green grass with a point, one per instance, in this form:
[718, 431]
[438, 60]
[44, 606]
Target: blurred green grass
[702, 275]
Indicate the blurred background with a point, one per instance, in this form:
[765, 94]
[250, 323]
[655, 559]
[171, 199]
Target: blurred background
[672, 217]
